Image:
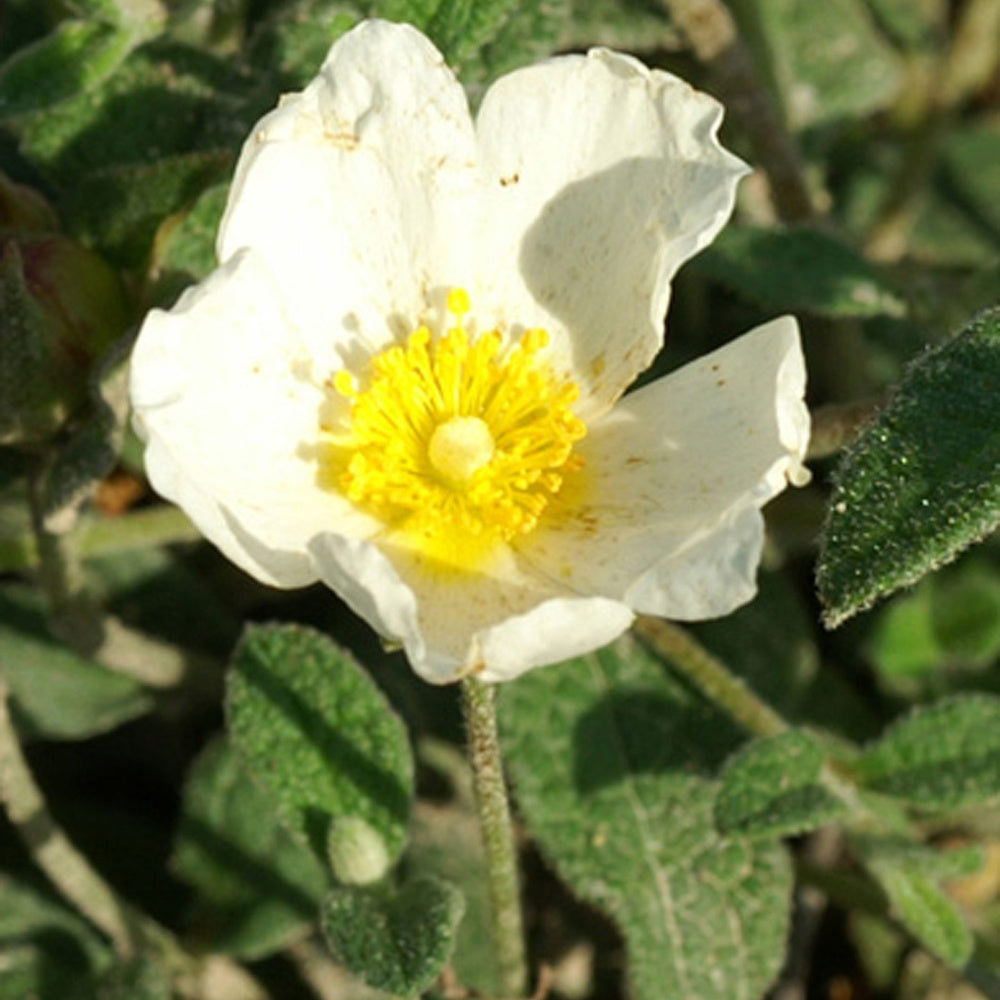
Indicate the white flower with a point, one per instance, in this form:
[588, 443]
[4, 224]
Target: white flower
[405, 377]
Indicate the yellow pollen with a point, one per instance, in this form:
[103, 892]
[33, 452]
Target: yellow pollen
[460, 446]
[460, 443]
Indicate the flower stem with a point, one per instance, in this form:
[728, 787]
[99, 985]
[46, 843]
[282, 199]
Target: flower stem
[52, 850]
[72, 616]
[479, 706]
[710, 676]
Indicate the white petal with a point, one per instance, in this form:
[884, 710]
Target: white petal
[665, 513]
[355, 189]
[495, 624]
[554, 630]
[601, 178]
[231, 414]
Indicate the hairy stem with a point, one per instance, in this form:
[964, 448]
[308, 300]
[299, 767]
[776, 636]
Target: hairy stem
[479, 706]
[68, 870]
[72, 616]
[710, 676]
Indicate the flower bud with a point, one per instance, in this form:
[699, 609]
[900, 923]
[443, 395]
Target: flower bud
[61, 306]
[22, 208]
[357, 851]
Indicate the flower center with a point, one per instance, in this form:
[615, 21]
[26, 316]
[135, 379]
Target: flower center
[460, 446]
[458, 441]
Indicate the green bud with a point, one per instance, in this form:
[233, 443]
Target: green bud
[357, 851]
[61, 306]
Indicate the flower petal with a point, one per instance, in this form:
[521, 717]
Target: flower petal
[354, 189]
[496, 624]
[667, 507]
[229, 409]
[600, 179]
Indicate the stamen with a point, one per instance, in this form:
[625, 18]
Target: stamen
[456, 438]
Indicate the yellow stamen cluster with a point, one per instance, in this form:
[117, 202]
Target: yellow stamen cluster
[457, 437]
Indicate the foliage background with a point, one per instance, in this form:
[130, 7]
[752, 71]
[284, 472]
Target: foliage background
[836, 837]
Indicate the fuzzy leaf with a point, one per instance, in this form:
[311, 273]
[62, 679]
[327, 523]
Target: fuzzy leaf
[922, 481]
[58, 695]
[447, 842]
[394, 940]
[258, 887]
[798, 270]
[87, 454]
[46, 950]
[922, 907]
[486, 38]
[621, 24]
[531, 31]
[142, 978]
[610, 758]
[188, 245]
[945, 756]
[937, 633]
[119, 207]
[772, 788]
[294, 40]
[73, 59]
[318, 735]
[909, 874]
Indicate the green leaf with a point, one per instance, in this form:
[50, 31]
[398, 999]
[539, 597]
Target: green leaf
[946, 626]
[922, 908]
[482, 39]
[610, 759]
[46, 950]
[630, 25]
[318, 735]
[74, 59]
[87, 454]
[915, 23]
[798, 270]
[155, 591]
[810, 43]
[909, 875]
[58, 695]
[966, 611]
[531, 31]
[773, 788]
[142, 145]
[945, 756]
[395, 940]
[294, 40]
[903, 647]
[972, 160]
[258, 887]
[142, 978]
[447, 842]
[771, 644]
[922, 481]
[121, 206]
[184, 249]
[30, 405]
